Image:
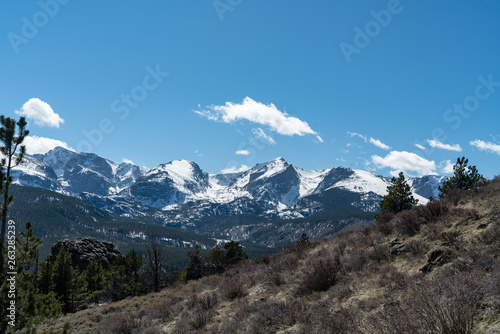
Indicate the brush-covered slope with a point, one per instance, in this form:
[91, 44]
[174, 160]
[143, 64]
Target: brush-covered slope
[433, 269]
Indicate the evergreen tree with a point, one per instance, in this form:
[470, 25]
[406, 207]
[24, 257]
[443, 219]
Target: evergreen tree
[134, 263]
[12, 158]
[28, 246]
[124, 276]
[196, 267]
[67, 282]
[464, 177]
[13, 153]
[399, 196]
[94, 278]
[27, 249]
[303, 241]
[234, 253]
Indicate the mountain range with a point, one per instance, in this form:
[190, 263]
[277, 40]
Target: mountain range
[180, 193]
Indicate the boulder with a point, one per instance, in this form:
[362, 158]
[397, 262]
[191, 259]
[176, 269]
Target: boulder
[84, 250]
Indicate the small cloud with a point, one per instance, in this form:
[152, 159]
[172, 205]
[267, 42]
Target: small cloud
[420, 147]
[40, 112]
[233, 169]
[258, 113]
[446, 167]
[437, 144]
[243, 152]
[405, 161]
[319, 139]
[354, 134]
[486, 146]
[127, 161]
[41, 145]
[371, 140]
[259, 133]
[198, 153]
[379, 144]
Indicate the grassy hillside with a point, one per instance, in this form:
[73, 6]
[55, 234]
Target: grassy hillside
[433, 269]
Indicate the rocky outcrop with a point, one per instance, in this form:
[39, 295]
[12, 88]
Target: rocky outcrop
[437, 257]
[84, 250]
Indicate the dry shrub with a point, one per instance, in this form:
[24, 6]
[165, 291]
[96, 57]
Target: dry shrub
[340, 246]
[199, 318]
[391, 279]
[450, 238]
[409, 221]
[285, 261]
[356, 261]
[437, 208]
[417, 247]
[491, 235]
[265, 259]
[322, 275]
[454, 196]
[449, 305]
[267, 316]
[273, 277]
[162, 310]
[320, 319]
[384, 224]
[379, 253]
[340, 291]
[124, 323]
[231, 289]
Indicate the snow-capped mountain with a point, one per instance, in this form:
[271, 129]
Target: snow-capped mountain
[78, 173]
[180, 191]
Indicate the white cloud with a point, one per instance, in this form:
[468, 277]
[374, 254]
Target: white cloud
[243, 152]
[405, 161]
[40, 112]
[437, 144]
[127, 161]
[233, 169]
[371, 140]
[420, 147]
[259, 113]
[354, 134]
[379, 144]
[259, 133]
[41, 145]
[447, 167]
[486, 146]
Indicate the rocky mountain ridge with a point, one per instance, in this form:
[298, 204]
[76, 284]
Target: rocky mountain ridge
[181, 192]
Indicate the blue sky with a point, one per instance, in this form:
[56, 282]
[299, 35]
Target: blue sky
[230, 83]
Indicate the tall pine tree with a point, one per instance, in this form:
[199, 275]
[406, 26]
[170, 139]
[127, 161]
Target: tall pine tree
[465, 177]
[13, 153]
[399, 196]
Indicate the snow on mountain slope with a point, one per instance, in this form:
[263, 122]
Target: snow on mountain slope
[88, 172]
[182, 189]
[309, 180]
[35, 173]
[57, 158]
[363, 182]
